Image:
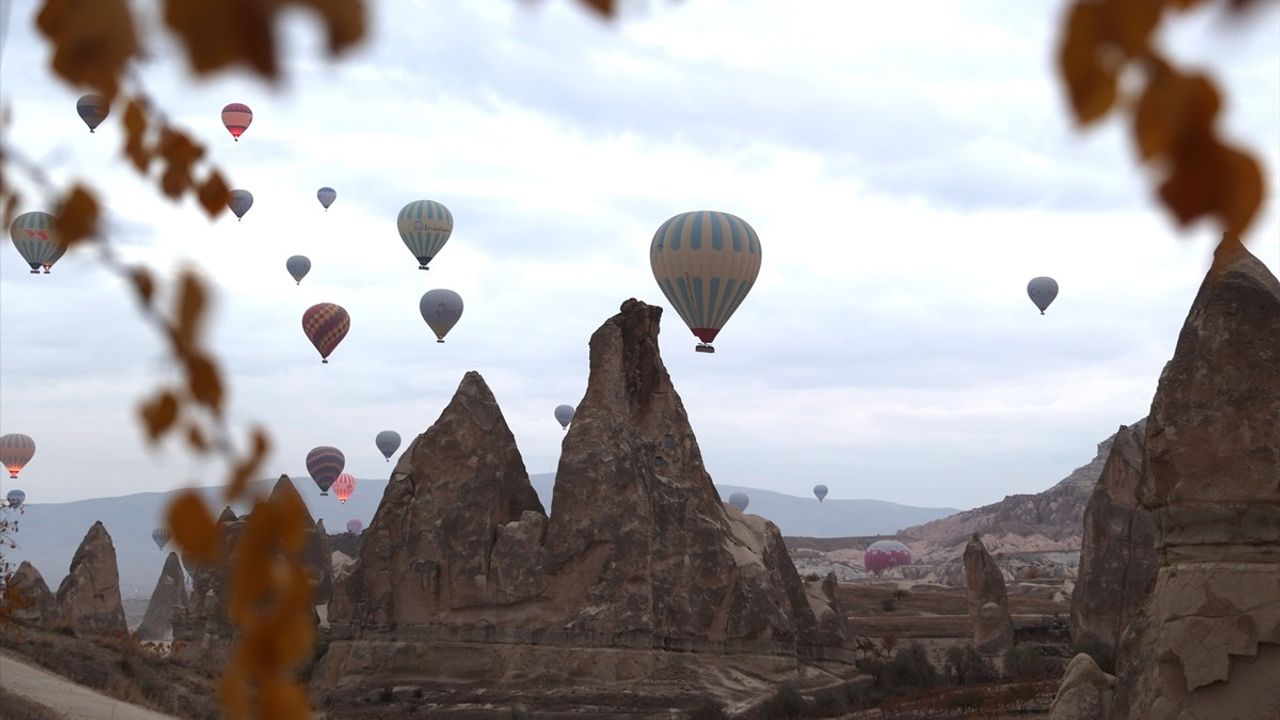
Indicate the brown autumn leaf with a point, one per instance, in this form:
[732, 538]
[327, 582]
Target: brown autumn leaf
[1196, 177]
[1128, 24]
[92, 41]
[180, 153]
[234, 690]
[143, 284]
[221, 33]
[213, 194]
[203, 380]
[194, 527]
[196, 439]
[240, 476]
[135, 128]
[159, 414]
[291, 518]
[283, 700]
[77, 216]
[189, 313]
[1241, 195]
[1091, 87]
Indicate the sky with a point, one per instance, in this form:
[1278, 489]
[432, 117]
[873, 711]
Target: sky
[907, 171]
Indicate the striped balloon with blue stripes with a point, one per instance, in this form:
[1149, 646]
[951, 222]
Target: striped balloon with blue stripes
[33, 235]
[705, 262]
[425, 226]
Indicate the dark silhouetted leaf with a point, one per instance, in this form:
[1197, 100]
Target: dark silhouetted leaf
[193, 527]
[1091, 88]
[191, 306]
[135, 129]
[196, 439]
[143, 284]
[213, 195]
[1129, 23]
[1243, 192]
[160, 414]
[77, 216]
[203, 381]
[92, 41]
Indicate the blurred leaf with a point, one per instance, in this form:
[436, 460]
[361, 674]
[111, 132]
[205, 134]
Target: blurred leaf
[180, 153]
[283, 700]
[234, 691]
[196, 440]
[93, 40]
[203, 381]
[1242, 194]
[1191, 189]
[77, 216]
[193, 527]
[142, 284]
[1091, 88]
[135, 129]
[244, 471]
[1129, 23]
[291, 518]
[213, 194]
[191, 304]
[160, 414]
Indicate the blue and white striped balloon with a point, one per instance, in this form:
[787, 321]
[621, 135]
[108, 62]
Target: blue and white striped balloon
[34, 235]
[425, 226]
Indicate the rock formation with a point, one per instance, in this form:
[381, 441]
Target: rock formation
[316, 555]
[170, 592]
[88, 599]
[1085, 692]
[987, 598]
[1118, 556]
[37, 605]
[1207, 643]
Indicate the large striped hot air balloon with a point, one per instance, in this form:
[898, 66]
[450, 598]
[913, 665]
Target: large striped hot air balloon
[237, 117]
[325, 465]
[344, 486]
[425, 226]
[705, 263]
[16, 450]
[93, 109]
[325, 325]
[34, 234]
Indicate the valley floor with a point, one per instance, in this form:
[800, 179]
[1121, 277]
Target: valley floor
[63, 698]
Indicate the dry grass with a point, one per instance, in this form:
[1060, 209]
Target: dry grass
[928, 610]
[16, 707]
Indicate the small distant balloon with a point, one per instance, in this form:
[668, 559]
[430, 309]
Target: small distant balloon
[34, 234]
[325, 464]
[354, 526]
[93, 109]
[884, 554]
[298, 266]
[325, 324]
[326, 196]
[425, 226]
[16, 450]
[564, 415]
[15, 498]
[1042, 291]
[236, 117]
[161, 537]
[441, 309]
[240, 201]
[388, 441]
[820, 491]
[740, 501]
[344, 486]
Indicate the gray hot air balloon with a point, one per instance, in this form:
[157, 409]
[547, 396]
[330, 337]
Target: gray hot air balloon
[740, 501]
[298, 266]
[441, 309]
[388, 441]
[354, 526]
[240, 201]
[15, 498]
[820, 491]
[1042, 291]
[326, 196]
[564, 414]
[161, 537]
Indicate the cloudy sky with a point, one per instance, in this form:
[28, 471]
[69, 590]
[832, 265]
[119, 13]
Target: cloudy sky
[907, 171]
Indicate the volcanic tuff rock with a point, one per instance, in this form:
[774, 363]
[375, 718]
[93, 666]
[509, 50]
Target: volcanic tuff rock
[88, 599]
[1085, 692]
[170, 592]
[1207, 644]
[37, 605]
[1118, 556]
[987, 598]
[316, 555]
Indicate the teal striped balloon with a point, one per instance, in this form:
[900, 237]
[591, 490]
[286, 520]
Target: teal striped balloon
[425, 226]
[33, 234]
[705, 262]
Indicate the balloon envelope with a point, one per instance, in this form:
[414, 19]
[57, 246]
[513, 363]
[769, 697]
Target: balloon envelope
[240, 201]
[237, 117]
[884, 554]
[425, 226]
[325, 465]
[298, 266]
[564, 414]
[93, 109]
[15, 498]
[16, 450]
[354, 527]
[740, 501]
[1042, 291]
[161, 536]
[325, 325]
[344, 486]
[34, 234]
[441, 309]
[705, 263]
[388, 441]
[326, 196]
[820, 491]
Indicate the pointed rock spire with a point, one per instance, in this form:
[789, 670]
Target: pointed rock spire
[88, 599]
[170, 592]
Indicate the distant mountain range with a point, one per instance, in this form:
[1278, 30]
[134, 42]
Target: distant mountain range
[49, 533]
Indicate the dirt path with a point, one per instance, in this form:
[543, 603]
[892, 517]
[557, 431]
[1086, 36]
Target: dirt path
[66, 697]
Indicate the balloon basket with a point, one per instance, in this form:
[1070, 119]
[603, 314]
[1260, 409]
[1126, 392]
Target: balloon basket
[324, 361]
[704, 348]
[35, 272]
[423, 267]
[440, 341]
[324, 493]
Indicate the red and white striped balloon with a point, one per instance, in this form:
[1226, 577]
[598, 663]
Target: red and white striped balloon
[344, 486]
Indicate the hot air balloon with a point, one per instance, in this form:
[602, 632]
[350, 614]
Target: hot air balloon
[884, 554]
[441, 309]
[425, 226]
[326, 196]
[16, 450]
[161, 537]
[93, 109]
[354, 526]
[240, 201]
[344, 486]
[325, 465]
[298, 266]
[237, 117]
[58, 252]
[564, 415]
[820, 491]
[325, 325]
[15, 498]
[705, 263]
[34, 234]
[388, 441]
[740, 501]
[1042, 291]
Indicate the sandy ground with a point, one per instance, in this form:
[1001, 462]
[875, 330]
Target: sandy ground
[64, 696]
